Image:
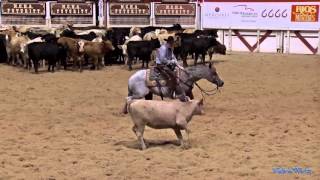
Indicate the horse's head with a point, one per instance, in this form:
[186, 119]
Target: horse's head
[213, 76]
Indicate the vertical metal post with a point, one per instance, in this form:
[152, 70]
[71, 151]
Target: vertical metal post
[201, 16]
[279, 39]
[48, 16]
[222, 39]
[0, 14]
[197, 17]
[107, 14]
[152, 16]
[230, 40]
[318, 43]
[94, 22]
[100, 11]
[258, 40]
[288, 42]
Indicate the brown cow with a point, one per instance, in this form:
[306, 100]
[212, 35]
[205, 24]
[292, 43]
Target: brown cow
[14, 49]
[95, 50]
[162, 115]
[73, 50]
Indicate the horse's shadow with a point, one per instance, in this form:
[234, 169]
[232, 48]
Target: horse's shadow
[150, 143]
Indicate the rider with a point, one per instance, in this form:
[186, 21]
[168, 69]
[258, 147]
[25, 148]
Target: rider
[166, 63]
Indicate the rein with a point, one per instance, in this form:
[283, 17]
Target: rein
[206, 92]
[209, 92]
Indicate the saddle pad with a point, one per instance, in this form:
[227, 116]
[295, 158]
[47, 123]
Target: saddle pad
[153, 75]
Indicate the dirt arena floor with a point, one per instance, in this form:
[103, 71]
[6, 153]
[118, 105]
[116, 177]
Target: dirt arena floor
[67, 125]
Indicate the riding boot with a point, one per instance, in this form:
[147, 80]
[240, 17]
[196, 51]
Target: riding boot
[180, 94]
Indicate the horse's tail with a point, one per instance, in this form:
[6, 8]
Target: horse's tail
[129, 92]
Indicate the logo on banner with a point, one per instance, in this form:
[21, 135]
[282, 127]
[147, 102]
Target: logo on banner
[244, 11]
[216, 13]
[305, 13]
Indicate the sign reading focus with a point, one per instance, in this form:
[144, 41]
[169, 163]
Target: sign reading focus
[66, 9]
[175, 9]
[136, 9]
[23, 9]
[305, 13]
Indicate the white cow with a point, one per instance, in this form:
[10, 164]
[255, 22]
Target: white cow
[161, 115]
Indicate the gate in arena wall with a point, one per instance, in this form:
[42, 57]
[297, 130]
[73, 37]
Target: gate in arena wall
[128, 13]
[30, 13]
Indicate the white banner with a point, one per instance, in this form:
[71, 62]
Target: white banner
[263, 15]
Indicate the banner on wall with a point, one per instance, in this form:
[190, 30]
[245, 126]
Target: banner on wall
[262, 15]
[130, 9]
[175, 9]
[71, 9]
[23, 9]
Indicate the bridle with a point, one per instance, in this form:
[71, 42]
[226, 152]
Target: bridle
[206, 92]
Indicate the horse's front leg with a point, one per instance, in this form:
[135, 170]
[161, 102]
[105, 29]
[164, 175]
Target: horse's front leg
[190, 94]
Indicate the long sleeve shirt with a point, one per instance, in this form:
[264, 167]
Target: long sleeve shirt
[165, 55]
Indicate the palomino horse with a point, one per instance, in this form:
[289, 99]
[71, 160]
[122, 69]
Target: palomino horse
[138, 88]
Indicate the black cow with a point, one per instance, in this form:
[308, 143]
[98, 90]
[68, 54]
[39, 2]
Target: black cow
[3, 51]
[31, 35]
[207, 32]
[218, 49]
[117, 37]
[49, 38]
[71, 34]
[141, 50]
[198, 46]
[52, 52]
[174, 27]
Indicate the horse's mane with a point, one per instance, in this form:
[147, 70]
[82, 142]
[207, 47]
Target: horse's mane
[194, 68]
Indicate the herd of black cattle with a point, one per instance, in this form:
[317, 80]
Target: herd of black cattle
[199, 42]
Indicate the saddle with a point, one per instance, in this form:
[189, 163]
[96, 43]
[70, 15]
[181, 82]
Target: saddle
[154, 77]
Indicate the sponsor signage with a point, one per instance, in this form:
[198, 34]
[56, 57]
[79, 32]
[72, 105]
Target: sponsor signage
[305, 13]
[175, 9]
[130, 9]
[67, 9]
[261, 15]
[23, 9]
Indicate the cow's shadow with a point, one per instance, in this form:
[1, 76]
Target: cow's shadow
[150, 143]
